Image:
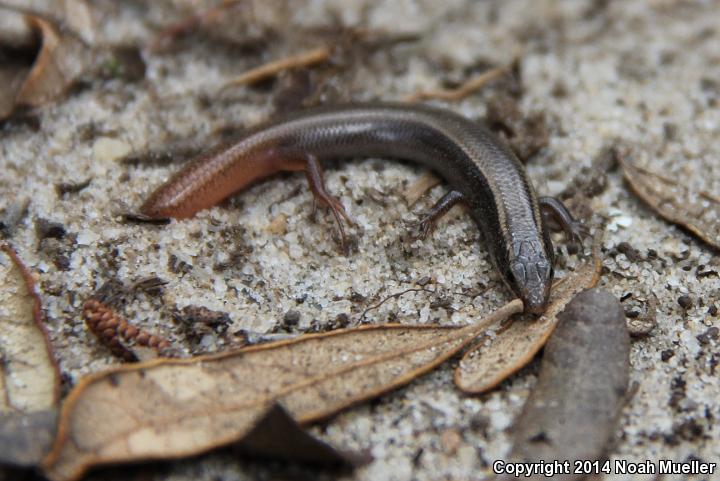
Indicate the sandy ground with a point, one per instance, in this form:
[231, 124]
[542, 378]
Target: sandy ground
[594, 71]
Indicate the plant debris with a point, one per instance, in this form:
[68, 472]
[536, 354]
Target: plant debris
[26, 438]
[467, 88]
[123, 339]
[179, 407]
[485, 365]
[525, 134]
[591, 181]
[697, 212]
[29, 375]
[61, 59]
[642, 324]
[270, 69]
[29, 379]
[206, 18]
[278, 436]
[417, 189]
[573, 411]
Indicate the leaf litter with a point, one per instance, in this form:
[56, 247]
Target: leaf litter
[573, 411]
[696, 211]
[29, 376]
[494, 359]
[172, 408]
[61, 59]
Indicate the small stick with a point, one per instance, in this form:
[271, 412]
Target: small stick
[394, 296]
[187, 24]
[270, 69]
[467, 88]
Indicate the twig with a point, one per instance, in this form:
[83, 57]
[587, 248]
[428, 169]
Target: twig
[271, 69]
[162, 40]
[467, 88]
[396, 295]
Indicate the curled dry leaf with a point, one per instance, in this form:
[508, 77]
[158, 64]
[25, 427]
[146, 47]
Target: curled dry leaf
[485, 366]
[62, 59]
[698, 212]
[573, 410]
[173, 408]
[29, 377]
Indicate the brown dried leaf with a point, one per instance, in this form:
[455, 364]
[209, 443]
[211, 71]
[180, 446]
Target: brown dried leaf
[29, 378]
[62, 59]
[173, 408]
[485, 366]
[698, 212]
[573, 410]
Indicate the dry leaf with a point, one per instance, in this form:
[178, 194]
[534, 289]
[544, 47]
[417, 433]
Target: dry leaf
[26, 438]
[11, 78]
[698, 212]
[74, 15]
[18, 47]
[174, 408]
[573, 410]
[485, 366]
[278, 436]
[61, 60]
[29, 378]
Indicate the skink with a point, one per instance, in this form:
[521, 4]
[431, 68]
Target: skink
[481, 170]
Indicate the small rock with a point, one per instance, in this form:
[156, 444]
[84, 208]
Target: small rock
[685, 301]
[107, 149]
[450, 440]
